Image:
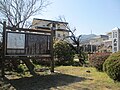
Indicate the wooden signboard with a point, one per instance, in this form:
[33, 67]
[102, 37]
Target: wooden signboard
[22, 43]
[27, 43]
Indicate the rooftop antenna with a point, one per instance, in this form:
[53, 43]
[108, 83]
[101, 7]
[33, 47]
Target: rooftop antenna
[91, 31]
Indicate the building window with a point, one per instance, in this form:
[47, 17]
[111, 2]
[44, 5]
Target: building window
[58, 35]
[54, 25]
[63, 35]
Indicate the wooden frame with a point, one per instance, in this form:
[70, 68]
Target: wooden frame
[48, 34]
[26, 49]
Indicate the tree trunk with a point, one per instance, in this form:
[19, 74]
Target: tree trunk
[81, 60]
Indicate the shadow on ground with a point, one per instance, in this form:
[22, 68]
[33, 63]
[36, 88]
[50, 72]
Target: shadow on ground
[44, 81]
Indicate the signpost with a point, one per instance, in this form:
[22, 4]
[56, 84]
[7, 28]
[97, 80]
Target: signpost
[27, 43]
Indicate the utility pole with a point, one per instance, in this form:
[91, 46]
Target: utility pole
[91, 31]
[52, 53]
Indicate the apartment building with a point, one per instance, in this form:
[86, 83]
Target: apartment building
[101, 42]
[108, 43]
[60, 28]
[98, 40]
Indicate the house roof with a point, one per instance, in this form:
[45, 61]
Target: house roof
[50, 21]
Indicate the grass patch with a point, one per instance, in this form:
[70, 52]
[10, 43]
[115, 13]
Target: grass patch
[66, 78]
[95, 80]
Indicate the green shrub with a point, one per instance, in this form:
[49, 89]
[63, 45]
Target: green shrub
[20, 69]
[11, 64]
[112, 66]
[97, 59]
[63, 53]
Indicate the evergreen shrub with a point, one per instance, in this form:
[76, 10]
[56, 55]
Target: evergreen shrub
[63, 53]
[112, 66]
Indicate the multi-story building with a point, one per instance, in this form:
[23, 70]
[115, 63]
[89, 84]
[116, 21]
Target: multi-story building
[109, 34]
[108, 43]
[99, 42]
[115, 39]
[60, 28]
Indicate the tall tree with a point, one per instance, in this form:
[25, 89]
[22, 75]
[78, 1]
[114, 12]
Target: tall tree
[17, 12]
[75, 42]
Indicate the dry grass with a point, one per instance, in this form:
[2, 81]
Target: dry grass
[67, 78]
[94, 80]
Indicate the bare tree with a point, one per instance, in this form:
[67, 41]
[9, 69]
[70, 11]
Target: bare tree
[75, 42]
[17, 12]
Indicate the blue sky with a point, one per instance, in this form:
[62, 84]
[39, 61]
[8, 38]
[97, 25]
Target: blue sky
[98, 16]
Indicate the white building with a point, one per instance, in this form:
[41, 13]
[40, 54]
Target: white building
[115, 39]
[108, 43]
[109, 34]
[98, 40]
[60, 28]
[101, 41]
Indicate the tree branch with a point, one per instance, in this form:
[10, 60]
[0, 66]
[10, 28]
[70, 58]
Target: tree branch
[19, 11]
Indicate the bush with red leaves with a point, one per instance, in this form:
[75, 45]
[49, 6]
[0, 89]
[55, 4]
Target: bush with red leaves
[97, 59]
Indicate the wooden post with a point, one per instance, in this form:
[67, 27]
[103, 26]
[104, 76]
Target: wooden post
[51, 50]
[3, 48]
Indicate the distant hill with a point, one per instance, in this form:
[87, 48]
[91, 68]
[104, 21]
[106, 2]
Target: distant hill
[87, 38]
